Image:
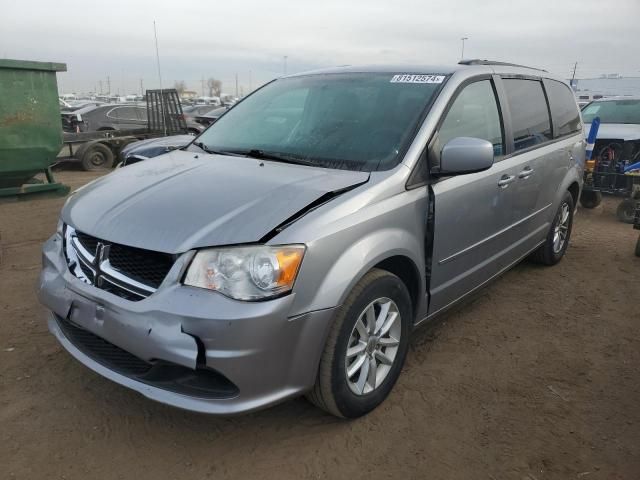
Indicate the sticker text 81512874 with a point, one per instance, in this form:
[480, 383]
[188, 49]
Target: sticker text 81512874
[406, 78]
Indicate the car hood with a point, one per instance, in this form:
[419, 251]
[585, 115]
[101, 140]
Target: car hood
[617, 131]
[153, 144]
[184, 200]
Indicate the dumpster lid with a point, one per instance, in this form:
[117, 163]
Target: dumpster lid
[31, 65]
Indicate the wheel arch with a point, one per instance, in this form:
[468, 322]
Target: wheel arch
[571, 183]
[407, 271]
[323, 284]
[574, 190]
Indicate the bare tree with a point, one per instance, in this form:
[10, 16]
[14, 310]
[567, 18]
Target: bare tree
[180, 86]
[215, 87]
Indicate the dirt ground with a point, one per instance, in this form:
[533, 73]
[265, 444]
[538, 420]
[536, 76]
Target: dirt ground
[537, 378]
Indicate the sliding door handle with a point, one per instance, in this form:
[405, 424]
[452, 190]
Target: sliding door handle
[506, 180]
[526, 173]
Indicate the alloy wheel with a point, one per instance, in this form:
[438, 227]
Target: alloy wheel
[373, 346]
[561, 228]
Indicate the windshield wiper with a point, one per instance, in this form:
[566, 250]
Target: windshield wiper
[278, 157]
[258, 154]
[204, 147]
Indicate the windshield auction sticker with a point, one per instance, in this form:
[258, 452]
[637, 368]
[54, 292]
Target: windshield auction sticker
[417, 78]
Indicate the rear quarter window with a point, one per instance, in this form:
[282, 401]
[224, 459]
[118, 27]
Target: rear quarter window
[123, 113]
[564, 112]
[530, 120]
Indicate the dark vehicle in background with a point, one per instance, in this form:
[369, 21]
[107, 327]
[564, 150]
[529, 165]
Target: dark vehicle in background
[210, 117]
[194, 111]
[92, 118]
[616, 152]
[152, 147]
[199, 117]
[145, 149]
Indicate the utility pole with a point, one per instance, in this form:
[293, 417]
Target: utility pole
[164, 120]
[108, 84]
[285, 64]
[462, 53]
[141, 87]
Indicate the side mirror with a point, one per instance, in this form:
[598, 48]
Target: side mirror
[465, 155]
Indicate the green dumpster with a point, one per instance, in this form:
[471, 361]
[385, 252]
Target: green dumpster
[30, 127]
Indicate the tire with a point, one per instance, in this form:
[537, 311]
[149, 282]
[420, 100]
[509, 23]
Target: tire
[550, 252]
[638, 247]
[334, 391]
[97, 157]
[626, 210]
[590, 199]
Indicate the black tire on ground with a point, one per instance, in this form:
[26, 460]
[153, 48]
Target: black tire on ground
[626, 210]
[97, 157]
[331, 391]
[547, 254]
[638, 247]
[590, 199]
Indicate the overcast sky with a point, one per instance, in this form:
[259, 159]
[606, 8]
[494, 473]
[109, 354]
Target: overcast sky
[210, 38]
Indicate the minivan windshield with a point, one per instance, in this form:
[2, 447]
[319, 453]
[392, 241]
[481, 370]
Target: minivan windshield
[613, 111]
[351, 121]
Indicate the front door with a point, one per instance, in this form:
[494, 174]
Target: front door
[472, 238]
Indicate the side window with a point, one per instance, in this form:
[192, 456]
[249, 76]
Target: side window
[141, 113]
[113, 113]
[529, 113]
[565, 114]
[474, 113]
[123, 113]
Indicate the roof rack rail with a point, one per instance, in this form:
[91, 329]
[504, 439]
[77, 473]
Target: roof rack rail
[477, 61]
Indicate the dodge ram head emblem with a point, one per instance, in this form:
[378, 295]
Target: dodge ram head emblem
[102, 254]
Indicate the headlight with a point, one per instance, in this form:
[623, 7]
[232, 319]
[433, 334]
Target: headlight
[246, 273]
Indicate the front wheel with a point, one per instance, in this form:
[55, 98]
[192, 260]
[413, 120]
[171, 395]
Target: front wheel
[366, 347]
[557, 241]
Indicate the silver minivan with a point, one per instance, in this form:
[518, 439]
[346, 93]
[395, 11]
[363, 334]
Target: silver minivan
[294, 245]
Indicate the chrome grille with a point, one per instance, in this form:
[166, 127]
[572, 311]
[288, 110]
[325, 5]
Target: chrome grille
[131, 273]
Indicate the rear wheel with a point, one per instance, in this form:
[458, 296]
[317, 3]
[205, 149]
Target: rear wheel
[555, 246]
[590, 199]
[97, 157]
[626, 210]
[366, 347]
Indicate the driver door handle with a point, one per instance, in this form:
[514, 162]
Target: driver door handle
[505, 180]
[526, 173]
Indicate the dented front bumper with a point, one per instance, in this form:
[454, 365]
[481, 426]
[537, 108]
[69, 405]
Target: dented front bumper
[267, 355]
